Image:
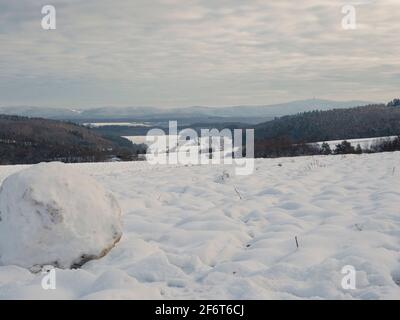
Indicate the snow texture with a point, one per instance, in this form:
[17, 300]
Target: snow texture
[194, 232]
[52, 214]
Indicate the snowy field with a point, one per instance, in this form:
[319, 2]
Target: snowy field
[201, 232]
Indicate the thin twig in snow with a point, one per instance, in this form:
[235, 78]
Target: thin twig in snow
[238, 193]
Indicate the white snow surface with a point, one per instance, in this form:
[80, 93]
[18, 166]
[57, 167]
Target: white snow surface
[200, 232]
[52, 214]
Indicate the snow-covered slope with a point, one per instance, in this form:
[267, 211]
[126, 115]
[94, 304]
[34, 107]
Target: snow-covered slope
[202, 232]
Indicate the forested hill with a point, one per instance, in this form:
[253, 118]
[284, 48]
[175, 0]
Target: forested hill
[361, 122]
[32, 140]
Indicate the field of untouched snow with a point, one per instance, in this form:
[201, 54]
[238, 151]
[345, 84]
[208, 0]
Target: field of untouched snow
[200, 232]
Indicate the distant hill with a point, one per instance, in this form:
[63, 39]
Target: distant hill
[247, 114]
[32, 140]
[41, 112]
[288, 108]
[361, 122]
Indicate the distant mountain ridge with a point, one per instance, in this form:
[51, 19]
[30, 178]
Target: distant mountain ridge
[198, 112]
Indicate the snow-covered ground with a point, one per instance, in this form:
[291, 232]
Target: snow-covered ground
[202, 232]
[177, 144]
[136, 139]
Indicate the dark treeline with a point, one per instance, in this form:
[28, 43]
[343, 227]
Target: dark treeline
[32, 140]
[294, 135]
[338, 124]
[284, 147]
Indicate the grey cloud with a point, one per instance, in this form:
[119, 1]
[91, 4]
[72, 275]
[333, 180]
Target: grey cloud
[189, 52]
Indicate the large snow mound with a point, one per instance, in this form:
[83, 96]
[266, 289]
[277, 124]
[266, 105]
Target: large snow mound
[53, 214]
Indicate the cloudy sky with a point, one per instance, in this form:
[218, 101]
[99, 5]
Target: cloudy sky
[191, 52]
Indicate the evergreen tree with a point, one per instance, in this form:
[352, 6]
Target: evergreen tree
[344, 147]
[326, 149]
[394, 103]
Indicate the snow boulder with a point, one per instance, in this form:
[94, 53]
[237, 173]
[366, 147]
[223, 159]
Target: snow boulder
[52, 214]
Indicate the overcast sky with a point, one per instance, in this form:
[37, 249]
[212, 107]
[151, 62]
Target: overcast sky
[192, 52]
